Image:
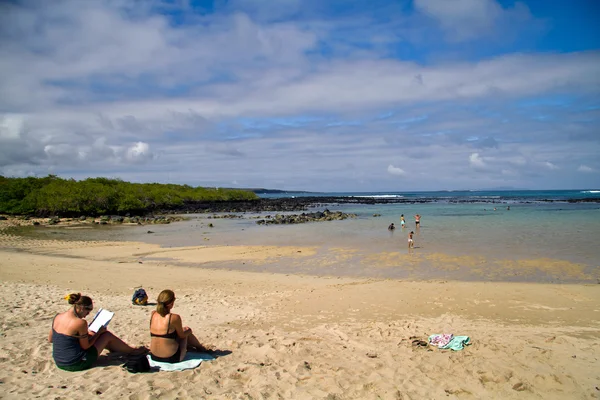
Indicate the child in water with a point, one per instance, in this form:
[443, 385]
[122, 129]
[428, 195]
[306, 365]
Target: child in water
[411, 242]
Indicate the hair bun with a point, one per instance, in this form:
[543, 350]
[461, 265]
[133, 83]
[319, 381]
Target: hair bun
[73, 297]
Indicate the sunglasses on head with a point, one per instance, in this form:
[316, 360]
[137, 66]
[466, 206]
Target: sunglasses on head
[89, 308]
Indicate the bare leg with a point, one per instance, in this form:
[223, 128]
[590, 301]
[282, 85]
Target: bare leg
[194, 343]
[109, 341]
[183, 343]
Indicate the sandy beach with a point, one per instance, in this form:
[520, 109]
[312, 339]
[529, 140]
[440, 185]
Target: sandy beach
[288, 336]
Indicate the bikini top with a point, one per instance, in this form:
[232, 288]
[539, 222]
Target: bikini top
[172, 335]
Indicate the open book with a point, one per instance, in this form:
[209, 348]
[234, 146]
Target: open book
[101, 319]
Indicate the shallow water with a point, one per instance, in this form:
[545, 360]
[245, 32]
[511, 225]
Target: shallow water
[539, 242]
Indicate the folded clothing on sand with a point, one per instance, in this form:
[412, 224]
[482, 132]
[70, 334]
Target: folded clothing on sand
[449, 341]
[190, 361]
[440, 340]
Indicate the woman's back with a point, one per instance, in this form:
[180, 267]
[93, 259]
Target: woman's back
[66, 348]
[67, 324]
[161, 326]
[163, 335]
[169, 340]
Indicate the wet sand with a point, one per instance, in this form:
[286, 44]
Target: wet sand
[385, 256]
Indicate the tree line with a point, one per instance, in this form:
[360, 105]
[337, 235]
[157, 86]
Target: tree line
[52, 195]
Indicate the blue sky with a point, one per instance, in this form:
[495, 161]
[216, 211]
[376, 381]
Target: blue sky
[304, 95]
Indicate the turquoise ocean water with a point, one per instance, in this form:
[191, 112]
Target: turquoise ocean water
[542, 226]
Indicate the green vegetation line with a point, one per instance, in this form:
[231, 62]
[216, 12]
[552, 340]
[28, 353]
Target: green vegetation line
[97, 196]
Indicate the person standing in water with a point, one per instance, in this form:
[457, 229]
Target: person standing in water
[417, 221]
[411, 242]
[402, 221]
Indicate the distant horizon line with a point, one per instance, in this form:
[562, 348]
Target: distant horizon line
[265, 190]
[257, 189]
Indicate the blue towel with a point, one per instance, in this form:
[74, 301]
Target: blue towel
[190, 361]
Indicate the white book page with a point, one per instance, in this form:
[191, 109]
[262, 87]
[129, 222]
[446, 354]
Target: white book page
[101, 319]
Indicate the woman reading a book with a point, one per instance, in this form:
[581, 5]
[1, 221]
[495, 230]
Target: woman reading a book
[74, 348]
[170, 340]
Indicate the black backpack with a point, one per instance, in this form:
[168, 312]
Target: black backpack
[137, 364]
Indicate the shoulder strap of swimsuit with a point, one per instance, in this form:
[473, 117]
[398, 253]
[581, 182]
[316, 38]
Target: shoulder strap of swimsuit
[169, 323]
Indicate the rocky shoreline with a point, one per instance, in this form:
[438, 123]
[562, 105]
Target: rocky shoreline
[325, 215]
[291, 204]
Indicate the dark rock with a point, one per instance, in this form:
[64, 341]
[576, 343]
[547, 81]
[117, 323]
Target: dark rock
[326, 215]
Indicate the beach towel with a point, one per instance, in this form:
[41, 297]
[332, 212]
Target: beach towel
[456, 342]
[440, 340]
[191, 360]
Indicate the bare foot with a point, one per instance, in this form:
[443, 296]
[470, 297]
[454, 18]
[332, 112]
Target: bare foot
[204, 348]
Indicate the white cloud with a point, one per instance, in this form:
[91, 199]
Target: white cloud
[61, 151]
[11, 126]
[90, 87]
[549, 165]
[395, 170]
[138, 153]
[585, 168]
[266, 66]
[471, 19]
[516, 160]
[476, 161]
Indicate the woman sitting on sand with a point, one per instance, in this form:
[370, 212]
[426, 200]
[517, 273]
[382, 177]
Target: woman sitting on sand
[74, 348]
[170, 340]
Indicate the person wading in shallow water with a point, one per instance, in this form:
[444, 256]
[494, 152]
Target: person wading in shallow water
[417, 221]
[411, 242]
